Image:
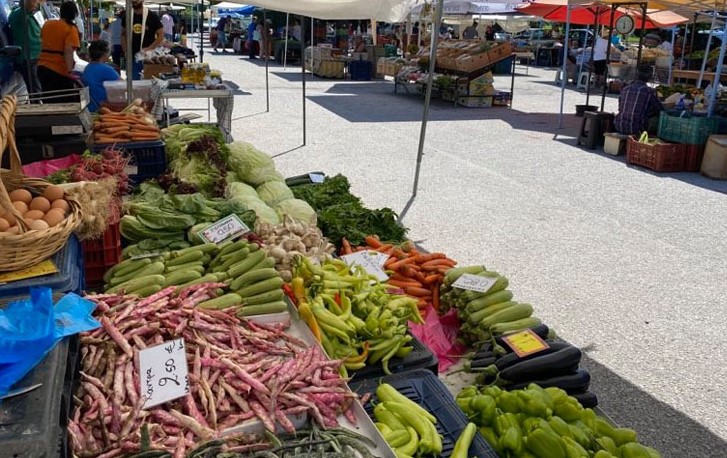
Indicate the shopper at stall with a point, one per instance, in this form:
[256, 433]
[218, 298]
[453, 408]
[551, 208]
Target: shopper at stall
[97, 72]
[222, 33]
[251, 41]
[470, 32]
[168, 24]
[116, 50]
[28, 38]
[147, 34]
[637, 103]
[59, 40]
[105, 34]
[599, 59]
[266, 39]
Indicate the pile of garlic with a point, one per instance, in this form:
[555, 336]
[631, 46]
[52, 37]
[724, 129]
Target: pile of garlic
[290, 239]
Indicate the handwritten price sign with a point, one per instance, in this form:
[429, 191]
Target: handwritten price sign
[371, 261]
[226, 228]
[474, 283]
[163, 372]
[525, 343]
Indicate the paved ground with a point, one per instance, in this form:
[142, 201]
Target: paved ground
[629, 265]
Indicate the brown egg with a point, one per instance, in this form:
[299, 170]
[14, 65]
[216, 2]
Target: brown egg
[22, 195]
[40, 203]
[38, 225]
[60, 203]
[14, 230]
[53, 193]
[34, 214]
[54, 217]
[4, 225]
[20, 206]
[9, 218]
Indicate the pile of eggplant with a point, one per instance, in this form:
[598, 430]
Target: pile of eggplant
[495, 363]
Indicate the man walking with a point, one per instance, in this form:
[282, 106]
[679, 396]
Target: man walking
[29, 40]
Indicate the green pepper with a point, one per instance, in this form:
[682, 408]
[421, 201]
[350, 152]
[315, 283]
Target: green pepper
[464, 404]
[603, 454]
[532, 404]
[484, 406]
[557, 395]
[511, 441]
[509, 402]
[652, 452]
[604, 428]
[573, 448]
[560, 427]
[468, 392]
[533, 423]
[633, 450]
[608, 444]
[461, 447]
[489, 434]
[579, 435]
[568, 411]
[545, 444]
[504, 422]
[493, 391]
[588, 417]
[623, 435]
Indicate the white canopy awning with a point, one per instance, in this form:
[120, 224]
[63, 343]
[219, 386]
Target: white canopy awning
[381, 10]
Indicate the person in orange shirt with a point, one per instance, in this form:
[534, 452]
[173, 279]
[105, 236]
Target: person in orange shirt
[58, 42]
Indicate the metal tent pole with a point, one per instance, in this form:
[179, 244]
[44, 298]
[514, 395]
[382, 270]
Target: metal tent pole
[266, 42]
[706, 51]
[593, 51]
[129, 56]
[302, 67]
[287, 29]
[717, 73]
[312, 30]
[641, 38]
[564, 74]
[428, 96]
[671, 56]
[608, 56]
[201, 31]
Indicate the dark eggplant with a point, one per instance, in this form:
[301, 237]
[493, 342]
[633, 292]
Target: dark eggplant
[482, 354]
[577, 381]
[512, 358]
[586, 398]
[543, 365]
[481, 362]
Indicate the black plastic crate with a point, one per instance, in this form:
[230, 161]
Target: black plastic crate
[33, 425]
[425, 388]
[148, 159]
[420, 358]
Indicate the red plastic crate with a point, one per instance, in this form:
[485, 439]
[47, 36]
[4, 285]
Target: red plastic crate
[662, 157]
[693, 158]
[101, 254]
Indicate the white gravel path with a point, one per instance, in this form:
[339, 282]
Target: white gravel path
[627, 264]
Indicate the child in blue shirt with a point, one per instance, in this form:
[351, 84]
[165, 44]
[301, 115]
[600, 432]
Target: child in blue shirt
[98, 71]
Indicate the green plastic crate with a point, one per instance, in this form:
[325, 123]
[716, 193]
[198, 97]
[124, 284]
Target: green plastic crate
[688, 129]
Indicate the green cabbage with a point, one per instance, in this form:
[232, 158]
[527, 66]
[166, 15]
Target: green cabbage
[264, 213]
[238, 190]
[274, 192]
[251, 165]
[297, 209]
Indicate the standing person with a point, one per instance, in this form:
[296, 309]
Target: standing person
[168, 24]
[28, 61]
[470, 32]
[666, 46]
[96, 72]
[489, 34]
[59, 40]
[116, 49]
[251, 29]
[221, 33]
[147, 34]
[105, 34]
[637, 103]
[296, 32]
[599, 59]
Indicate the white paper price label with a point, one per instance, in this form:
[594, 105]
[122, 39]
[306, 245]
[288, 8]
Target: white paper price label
[226, 228]
[474, 283]
[163, 372]
[316, 177]
[370, 261]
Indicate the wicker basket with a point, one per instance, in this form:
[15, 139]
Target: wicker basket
[19, 251]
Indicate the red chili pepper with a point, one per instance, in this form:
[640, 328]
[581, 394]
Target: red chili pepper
[288, 290]
[337, 298]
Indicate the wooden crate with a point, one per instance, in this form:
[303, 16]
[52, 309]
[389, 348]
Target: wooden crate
[154, 70]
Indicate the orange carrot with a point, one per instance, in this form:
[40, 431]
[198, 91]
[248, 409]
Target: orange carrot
[422, 304]
[345, 247]
[439, 262]
[372, 241]
[399, 264]
[435, 297]
[422, 258]
[418, 292]
[384, 248]
[399, 277]
[431, 278]
[405, 284]
[399, 253]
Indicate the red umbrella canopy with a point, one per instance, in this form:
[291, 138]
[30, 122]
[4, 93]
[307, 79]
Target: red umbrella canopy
[590, 13]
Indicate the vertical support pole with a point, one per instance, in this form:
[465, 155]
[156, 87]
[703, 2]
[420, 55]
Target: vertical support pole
[201, 31]
[608, 56]
[717, 73]
[428, 95]
[287, 33]
[302, 67]
[671, 56]
[129, 57]
[593, 51]
[641, 38]
[564, 64]
[706, 51]
[266, 41]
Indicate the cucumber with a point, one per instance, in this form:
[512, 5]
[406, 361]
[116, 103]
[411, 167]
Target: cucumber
[475, 318]
[262, 309]
[151, 269]
[247, 264]
[261, 287]
[181, 277]
[191, 256]
[205, 248]
[222, 302]
[453, 274]
[491, 299]
[189, 265]
[231, 248]
[516, 312]
[124, 268]
[269, 296]
[146, 291]
[138, 283]
[252, 276]
[232, 259]
[209, 278]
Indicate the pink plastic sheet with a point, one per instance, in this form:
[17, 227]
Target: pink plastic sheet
[439, 334]
[42, 169]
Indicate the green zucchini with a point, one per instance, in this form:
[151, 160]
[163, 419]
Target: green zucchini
[222, 302]
[206, 248]
[232, 259]
[138, 283]
[247, 264]
[262, 309]
[261, 287]
[490, 299]
[189, 265]
[231, 248]
[192, 256]
[253, 276]
[181, 277]
[125, 267]
[269, 296]
[475, 318]
[209, 278]
[151, 269]
[146, 291]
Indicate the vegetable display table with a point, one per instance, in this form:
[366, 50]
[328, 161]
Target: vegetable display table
[693, 75]
[221, 99]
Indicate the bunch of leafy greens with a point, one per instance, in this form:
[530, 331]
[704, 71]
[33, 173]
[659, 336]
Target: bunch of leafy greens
[341, 214]
[154, 214]
[197, 161]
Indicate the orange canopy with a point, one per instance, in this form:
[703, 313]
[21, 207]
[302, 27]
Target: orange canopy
[590, 13]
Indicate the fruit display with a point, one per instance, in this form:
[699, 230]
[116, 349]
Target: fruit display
[38, 212]
[546, 422]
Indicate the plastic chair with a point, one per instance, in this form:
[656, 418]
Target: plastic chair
[583, 80]
[593, 126]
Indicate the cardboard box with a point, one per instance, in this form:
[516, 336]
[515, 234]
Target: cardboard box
[470, 63]
[481, 89]
[381, 66]
[475, 102]
[154, 70]
[500, 51]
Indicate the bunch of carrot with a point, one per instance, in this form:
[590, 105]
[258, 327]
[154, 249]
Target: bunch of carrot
[126, 126]
[417, 274]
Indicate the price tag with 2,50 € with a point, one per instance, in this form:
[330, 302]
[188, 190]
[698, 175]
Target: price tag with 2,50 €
[474, 283]
[224, 229]
[525, 343]
[163, 372]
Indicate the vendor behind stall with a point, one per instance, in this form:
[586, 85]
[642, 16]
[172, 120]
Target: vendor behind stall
[98, 71]
[59, 39]
[148, 34]
[636, 105]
